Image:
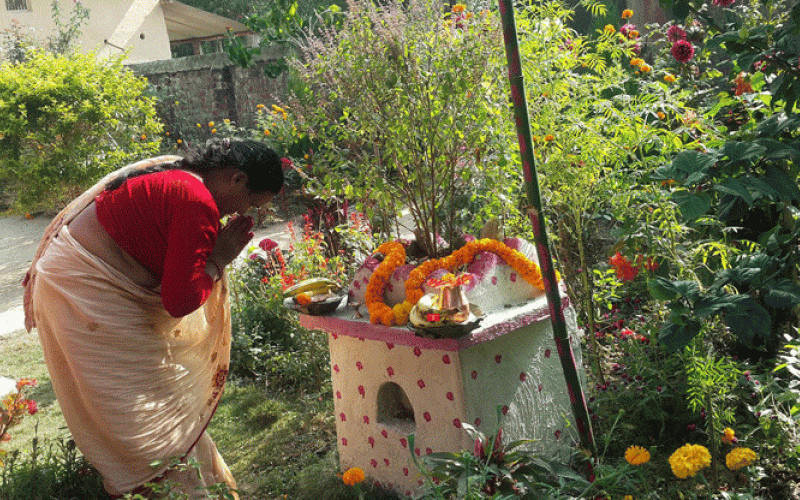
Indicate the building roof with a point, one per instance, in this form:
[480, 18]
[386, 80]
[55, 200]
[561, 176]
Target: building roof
[186, 23]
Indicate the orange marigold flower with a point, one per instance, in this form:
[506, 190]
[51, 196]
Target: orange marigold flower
[609, 28]
[353, 476]
[669, 78]
[729, 436]
[627, 13]
[459, 8]
[636, 455]
[303, 299]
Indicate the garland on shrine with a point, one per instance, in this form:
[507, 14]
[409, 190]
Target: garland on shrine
[395, 256]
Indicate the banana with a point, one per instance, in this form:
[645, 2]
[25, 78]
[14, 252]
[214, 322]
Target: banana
[311, 286]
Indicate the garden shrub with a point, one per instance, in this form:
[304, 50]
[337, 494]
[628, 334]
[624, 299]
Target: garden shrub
[268, 344]
[67, 120]
[409, 107]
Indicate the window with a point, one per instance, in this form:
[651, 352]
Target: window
[17, 5]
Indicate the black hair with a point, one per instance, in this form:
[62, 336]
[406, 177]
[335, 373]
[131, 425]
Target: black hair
[260, 162]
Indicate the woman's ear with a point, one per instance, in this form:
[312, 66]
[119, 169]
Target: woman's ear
[239, 178]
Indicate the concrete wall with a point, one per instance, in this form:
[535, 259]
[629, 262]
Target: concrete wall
[198, 89]
[136, 26]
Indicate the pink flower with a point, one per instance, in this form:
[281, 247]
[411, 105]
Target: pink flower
[267, 244]
[626, 29]
[682, 51]
[675, 33]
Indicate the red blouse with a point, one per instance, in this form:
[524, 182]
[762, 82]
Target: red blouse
[168, 222]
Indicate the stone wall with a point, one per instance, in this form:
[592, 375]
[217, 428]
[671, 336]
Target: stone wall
[197, 89]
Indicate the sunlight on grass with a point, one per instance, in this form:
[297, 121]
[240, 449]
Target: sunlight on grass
[22, 357]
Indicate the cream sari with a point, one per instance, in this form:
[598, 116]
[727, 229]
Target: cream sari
[135, 384]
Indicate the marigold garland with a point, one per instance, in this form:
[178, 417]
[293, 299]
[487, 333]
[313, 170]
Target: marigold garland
[516, 260]
[379, 312]
[395, 256]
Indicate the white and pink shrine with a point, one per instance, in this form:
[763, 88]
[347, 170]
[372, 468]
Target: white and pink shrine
[390, 382]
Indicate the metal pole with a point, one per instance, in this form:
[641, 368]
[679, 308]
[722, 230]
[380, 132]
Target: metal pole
[576, 396]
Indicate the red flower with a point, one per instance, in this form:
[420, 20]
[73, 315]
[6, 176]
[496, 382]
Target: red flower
[32, 406]
[267, 244]
[675, 33]
[723, 3]
[682, 51]
[625, 271]
[286, 164]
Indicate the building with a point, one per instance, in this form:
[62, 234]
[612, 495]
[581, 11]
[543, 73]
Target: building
[144, 29]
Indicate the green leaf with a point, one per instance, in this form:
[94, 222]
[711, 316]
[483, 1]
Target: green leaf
[735, 187]
[692, 205]
[676, 336]
[664, 289]
[785, 294]
[747, 319]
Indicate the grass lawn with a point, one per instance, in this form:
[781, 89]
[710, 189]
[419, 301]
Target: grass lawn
[277, 445]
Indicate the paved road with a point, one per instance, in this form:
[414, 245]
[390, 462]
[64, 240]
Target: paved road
[19, 238]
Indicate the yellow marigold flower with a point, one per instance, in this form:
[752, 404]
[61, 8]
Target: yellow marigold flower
[661, 115]
[176, 103]
[179, 141]
[143, 137]
[226, 121]
[210, 124]
[645, 68]
[609, 28]
[728, 436]
[627, 13]
[199, 126]
[636, 61]
[689, 459]
[669, 78]
[459, 8]
[213, 131]
[353, 476]
[636, 455]
[277, 109]
[260, 106]
[739, 457]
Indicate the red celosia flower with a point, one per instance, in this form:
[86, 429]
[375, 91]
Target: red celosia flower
[286, 164]
[32, 406]
[723, 3]
[267, 244]
[625, 271]
[675, 33]
[682, 51]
